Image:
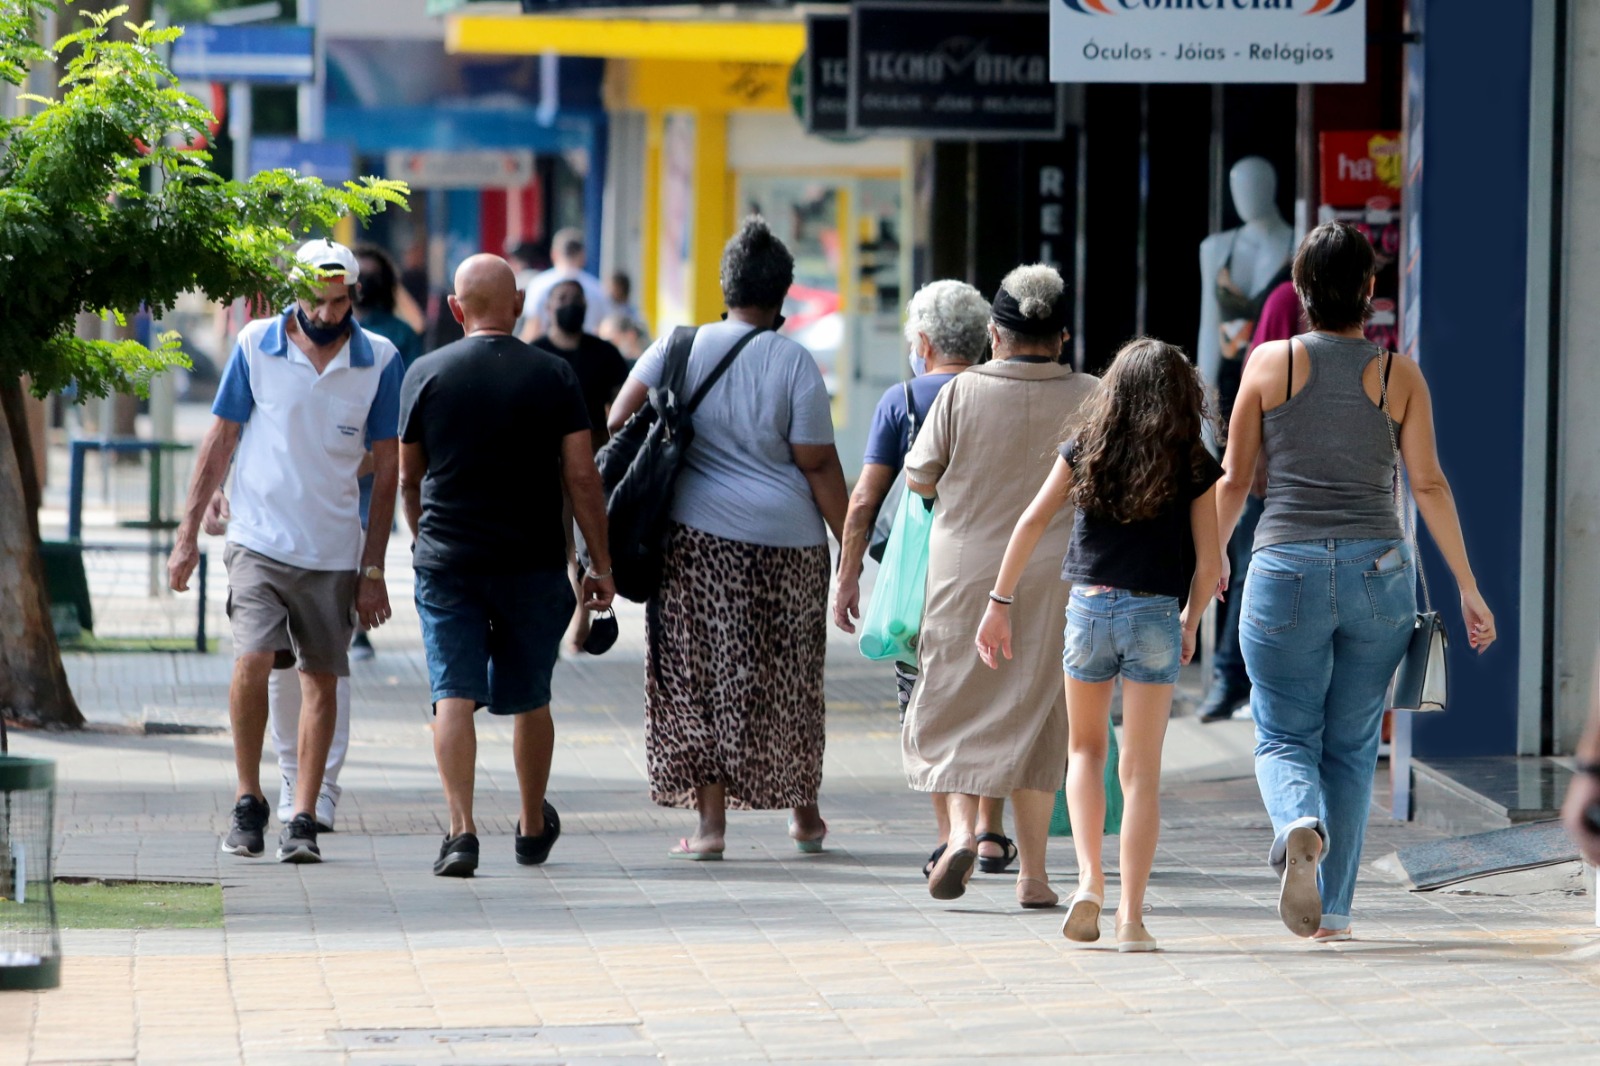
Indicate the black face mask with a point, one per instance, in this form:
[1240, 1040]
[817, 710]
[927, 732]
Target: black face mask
[322, 336]
[602, 633]
[569, 317]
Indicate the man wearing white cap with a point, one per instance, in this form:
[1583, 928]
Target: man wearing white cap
[302, 397]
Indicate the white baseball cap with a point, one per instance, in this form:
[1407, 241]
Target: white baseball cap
[330, 256]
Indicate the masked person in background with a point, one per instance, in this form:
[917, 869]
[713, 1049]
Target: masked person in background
[947, 326]
[601, 370]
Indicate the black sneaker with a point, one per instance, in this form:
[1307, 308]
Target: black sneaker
[531, 851]
[245, 836]
[299, 840]
[1221, 703]
[361, 647]
[458, 856]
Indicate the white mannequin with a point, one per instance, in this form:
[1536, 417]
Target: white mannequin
[1253, 254]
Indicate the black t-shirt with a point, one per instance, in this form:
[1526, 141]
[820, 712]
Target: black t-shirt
[491, 413]
[1153, 555]
[601, 371]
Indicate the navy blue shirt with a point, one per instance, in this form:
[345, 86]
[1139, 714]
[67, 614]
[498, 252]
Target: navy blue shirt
[890, 437]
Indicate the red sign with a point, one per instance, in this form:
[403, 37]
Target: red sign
[1361, 165]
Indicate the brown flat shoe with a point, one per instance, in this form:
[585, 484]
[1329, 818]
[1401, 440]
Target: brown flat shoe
[1082, 923]
[951, 873]
[1034, 894]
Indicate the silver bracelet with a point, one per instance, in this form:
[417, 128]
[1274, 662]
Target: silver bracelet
[591, 575]
[1005, 601]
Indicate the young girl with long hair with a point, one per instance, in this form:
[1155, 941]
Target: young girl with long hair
[1144, 560]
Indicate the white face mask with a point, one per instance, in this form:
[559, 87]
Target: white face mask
[919, 365]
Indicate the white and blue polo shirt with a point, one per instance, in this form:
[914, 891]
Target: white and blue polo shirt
[295, 497]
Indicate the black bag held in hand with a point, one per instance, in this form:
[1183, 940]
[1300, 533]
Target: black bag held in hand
[639, 468]
[1422, 680]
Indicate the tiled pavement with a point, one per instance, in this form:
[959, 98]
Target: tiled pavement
[613, 953]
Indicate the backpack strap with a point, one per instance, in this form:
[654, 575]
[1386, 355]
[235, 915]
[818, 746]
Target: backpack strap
[677, 358]
[721, 369]
[913, 420]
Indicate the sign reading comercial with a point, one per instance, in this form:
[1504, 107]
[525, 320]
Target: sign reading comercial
[956, 71]
[1291, 41]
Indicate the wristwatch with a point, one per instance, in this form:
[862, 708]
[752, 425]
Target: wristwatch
[373, 573]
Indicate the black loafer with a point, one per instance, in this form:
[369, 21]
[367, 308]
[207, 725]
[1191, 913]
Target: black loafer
[531, 851]
[458, 856]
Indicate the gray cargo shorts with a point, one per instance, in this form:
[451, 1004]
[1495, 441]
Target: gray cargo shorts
[274, 605]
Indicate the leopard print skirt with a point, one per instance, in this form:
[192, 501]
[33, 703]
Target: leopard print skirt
[733, 672]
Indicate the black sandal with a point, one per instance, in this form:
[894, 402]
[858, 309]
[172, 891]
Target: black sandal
[993, 865]
[933, 860]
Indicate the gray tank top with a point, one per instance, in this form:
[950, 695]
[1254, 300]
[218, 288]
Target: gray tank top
[1330, 467]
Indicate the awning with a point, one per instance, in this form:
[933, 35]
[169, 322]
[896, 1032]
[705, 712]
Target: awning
[739, 41]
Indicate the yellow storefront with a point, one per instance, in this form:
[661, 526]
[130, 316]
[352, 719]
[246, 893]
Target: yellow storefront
[721, 140]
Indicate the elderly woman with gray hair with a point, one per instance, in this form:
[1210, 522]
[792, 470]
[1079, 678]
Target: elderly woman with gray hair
[988, 445]
[947, 327]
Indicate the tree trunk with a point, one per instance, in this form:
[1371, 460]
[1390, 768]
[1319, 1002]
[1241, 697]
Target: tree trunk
[33, 683]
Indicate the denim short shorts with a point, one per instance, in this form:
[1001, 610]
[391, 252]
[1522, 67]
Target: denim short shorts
[1118, 632]
[493, 638]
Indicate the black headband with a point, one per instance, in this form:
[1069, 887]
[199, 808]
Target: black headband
[1008, 313]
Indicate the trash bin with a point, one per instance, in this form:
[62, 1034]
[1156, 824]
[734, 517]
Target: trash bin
[30, 939]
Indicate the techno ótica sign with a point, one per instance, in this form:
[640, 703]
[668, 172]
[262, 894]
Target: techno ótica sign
[1293, 41]
[953, 71]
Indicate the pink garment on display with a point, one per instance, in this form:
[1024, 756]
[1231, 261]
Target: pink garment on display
[1280, 317]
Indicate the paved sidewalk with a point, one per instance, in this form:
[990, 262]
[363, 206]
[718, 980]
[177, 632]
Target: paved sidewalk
[612, 953]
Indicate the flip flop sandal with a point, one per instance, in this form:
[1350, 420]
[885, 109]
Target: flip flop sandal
[1082, 923]
[1335, 937]
[951, 873]
[1299, 902]
[933, 860]
[997, 864]
[682, 850]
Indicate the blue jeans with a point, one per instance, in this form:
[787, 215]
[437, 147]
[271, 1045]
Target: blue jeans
[1322, 633]
[1227, 662]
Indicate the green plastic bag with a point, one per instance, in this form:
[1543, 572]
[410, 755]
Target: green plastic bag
[1061, 824]
[894, 617]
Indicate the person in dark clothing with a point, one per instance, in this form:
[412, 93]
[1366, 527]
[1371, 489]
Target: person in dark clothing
[600, 367]
[491, 587]
[601, 372]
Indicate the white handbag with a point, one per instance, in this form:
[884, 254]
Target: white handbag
[1422, 680]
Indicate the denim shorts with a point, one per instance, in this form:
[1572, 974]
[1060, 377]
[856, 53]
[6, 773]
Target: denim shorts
[493, 638]
[1117, 632]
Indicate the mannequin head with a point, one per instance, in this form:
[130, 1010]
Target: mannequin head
[1254, 185]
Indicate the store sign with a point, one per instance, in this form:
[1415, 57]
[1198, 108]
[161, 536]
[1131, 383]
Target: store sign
[281, 55]
[826, 74]
[952, 71]
[1288, 41]
[1359, 166]
[328, 160]
[512, 168]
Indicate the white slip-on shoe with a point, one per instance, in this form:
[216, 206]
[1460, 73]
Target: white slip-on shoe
[1135, 937]
[1082, 923]
[1299, 901]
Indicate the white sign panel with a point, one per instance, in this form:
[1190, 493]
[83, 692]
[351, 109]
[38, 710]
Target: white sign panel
[1291, 41]
[510, 168]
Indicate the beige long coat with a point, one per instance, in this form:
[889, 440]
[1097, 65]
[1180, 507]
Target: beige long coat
[987, 445]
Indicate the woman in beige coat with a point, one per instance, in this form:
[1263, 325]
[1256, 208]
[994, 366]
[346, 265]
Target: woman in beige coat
[988, 444]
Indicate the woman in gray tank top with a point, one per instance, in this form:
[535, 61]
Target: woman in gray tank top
[1330, 604]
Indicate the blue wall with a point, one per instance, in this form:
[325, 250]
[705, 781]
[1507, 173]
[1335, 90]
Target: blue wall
[1474, 251]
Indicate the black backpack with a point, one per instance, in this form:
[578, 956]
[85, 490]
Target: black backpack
[639, 468]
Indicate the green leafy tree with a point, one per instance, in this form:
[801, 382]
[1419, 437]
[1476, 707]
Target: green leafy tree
[99, 213]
